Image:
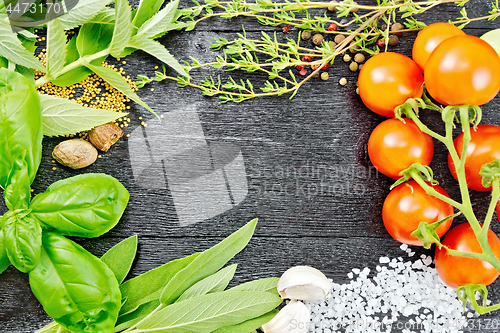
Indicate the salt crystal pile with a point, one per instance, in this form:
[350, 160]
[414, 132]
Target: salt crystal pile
[401, 297]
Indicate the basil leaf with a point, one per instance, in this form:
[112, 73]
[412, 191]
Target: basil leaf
[119, 83]
[12, 49]
[158, 51]
[4, 63]
[249, 325]
[121, 257]
[129, 320]
[56, 47]
[105, 16]
[22, 240]
[160, 22]
[86, 205]
[209, 312]
[19, 139]
[28, 73]
[75, 288]
[82, 12]
[61, 116]
[214, 283]
[93, 38]
[4, 259]
[267, 284]
[146, 9]
[123, 29]
[207, 263]
[17, 194]
[148, 286]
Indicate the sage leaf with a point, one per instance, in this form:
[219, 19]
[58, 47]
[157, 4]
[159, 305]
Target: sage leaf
[74, 287]
[210, 312]
[207, 263]
[4, 259]
[126, 321]
[61, 116]
[22, 240]
[12, 49]
[119, 83]
[249, 325]
[19, 138]
[267, 284]
[160, 22]
[211, 284]
[145, 10]
[123, 29]
[56, 47]
[148, 286]
[158, 51]
[87, 205]
[121, 257]
[82, 12]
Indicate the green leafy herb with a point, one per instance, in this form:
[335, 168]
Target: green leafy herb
[267, 284]
[249, 325]
[160, 23]
[82, 13]
[56, 47]
[4, 259]
[123, 28]
[121, 257]
[61, 116]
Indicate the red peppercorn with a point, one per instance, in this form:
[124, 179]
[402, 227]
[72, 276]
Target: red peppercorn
[306, 59]
[303, 71]
[332, 27]
[315, 67]
[325, 66]
[300, 67]
[285, 29]
[381, 42]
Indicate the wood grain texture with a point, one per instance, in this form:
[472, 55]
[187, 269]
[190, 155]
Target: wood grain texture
[310, 182]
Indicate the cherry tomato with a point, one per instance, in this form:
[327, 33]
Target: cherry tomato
[429, 38]
[407, 205]
[393, 146]
[463, 70]
[388, 80]
[457, 271]
[498, 210]
[484, 147]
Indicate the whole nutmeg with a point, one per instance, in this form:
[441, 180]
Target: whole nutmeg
[305, 35]
[104, 136]
[318, 39]
[75, 153]
[397, 28]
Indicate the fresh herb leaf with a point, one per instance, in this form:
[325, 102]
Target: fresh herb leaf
[160, 22]
[87, 205]
[119, 83]
[121, 257]
[148, 286]
[126, 321]
[158, 51]
[56, 47]
[93, 38]
[123, 29]
[82, 12]
[207, 263]
[249, 325]
[22, 238]
[105, 16]
[4, 259]
[78, 74]
[17, 193]
[210, 312]
[61, 116]
[12, 49]
[74, 287]
[267, 285]
[146, 9]
[214, 283]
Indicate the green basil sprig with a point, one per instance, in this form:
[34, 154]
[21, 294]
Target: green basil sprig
[75, 288]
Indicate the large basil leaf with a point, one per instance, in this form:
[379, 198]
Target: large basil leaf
[74, 287]
[87, 205]
[17, 194]
[19, 102]
[4, 259]
[22, 238]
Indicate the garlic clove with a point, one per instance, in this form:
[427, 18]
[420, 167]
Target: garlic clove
[294, 317]
[304, 283]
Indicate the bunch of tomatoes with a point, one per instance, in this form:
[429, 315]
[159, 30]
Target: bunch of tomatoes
[456, 69]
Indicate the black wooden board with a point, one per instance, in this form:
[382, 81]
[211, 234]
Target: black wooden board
[307, 176]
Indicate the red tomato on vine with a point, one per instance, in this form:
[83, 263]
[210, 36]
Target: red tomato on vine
[463, 70]
[387, 80]
[394, 146]
[407, 205]
[429, 38]
[484, 147]
[457, 271]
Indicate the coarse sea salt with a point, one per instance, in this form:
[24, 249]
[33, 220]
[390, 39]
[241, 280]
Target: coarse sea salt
[400, 296]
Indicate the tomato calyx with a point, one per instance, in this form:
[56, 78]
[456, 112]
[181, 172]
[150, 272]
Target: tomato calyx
[417, 172]
[468, 113]
[490, 173]
[427, 232]
[468, 293]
